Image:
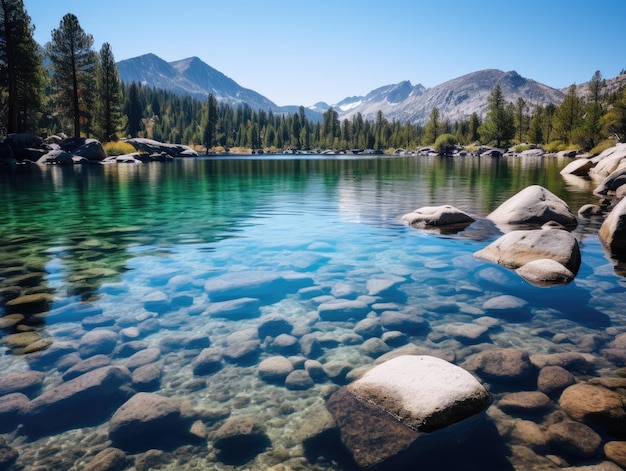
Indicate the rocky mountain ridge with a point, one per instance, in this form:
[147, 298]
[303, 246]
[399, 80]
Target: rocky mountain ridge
[455, 99]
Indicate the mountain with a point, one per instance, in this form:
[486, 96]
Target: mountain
[455, 99]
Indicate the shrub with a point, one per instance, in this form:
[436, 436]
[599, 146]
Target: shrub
[601, 146]
[445, 144]
[118, 148]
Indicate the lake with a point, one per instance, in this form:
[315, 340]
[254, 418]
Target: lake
[174, 258]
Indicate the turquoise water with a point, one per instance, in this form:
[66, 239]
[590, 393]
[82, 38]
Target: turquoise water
[144, 247]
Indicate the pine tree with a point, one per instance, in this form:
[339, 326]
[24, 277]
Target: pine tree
[590, 131]
[109, 102]
[73, 67]
[433, 128]
[498, 126]
[568, 116]
[133, 109]
[209, 126]
[21, 69]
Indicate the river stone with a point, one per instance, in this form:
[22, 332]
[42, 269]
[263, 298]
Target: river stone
[342, 310]
[444, 215]
[147, 378]
[609, 160]
[612, 233]
[84, 366]
[109, 459]
[611, 183]
[71, 403]
[337, 370]
[400, 404]
[28, 383]
[571, 361]
[144, 420]
[594, 404]
[545, 272]
[242, 352]
[30, 303]
[525, 401]
[501, 365]
[575, 438]
[552, 380]
[244, 436]
[235, 309]
[517, 248]
[374, 347]
[507, 307]
[299, 380]
[11, 406]
[275, 369]
[255, 284]
[535, 206]
[208, 361]
[382, 285]
[285, 344]
[406, 322]
[319, 431]
[467, 333]
[369, 327]
[315, 370]
[142, 358]
[616, 452]
[589, 210]
[96, 342]
[273, 325]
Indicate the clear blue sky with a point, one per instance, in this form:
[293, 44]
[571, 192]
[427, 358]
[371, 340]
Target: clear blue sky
[298, 52]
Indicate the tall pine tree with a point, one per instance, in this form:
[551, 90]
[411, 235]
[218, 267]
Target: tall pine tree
[21, 70]
[73, 64]
[209, 128]
[109, 102]
[499, 126]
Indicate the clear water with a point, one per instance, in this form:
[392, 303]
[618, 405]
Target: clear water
[118, 236]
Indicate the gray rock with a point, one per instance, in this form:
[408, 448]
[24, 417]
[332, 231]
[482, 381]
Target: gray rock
[142, 358]
[575, 439]
[589, 210]
[285, 344]
[150, 146]
[28, 383]
[235, 309]
[342, 310]
[609, 160]
[535, 206]
[612, 233]
[8, 456]
[383, 285]
[467, 333]
[337, 370]
[57, 408]
[319, 431]
[407, 322]
[552, 380]
[97, 342]
[315, 370]
[11, 406]
[56, 157]
[91, 149]
[501, 365]
[517, 248]
[310, 345]
[274, 325]
[611, 183]
[242, 352]
[374, 347]
[508, 307]
[578, 167]
[571, 361]
[299, 380]
[445, 215]
[208, 361]
[275, 369]
[92, 363]
[147, 378]
[596, 405]
[369, 327]
[400, 406]
[145, 420]
[254, 284]
[109, 459]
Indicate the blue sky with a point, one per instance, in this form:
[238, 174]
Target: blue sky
[300, 52]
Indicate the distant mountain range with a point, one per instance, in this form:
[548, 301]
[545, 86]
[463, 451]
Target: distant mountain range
[456, 99]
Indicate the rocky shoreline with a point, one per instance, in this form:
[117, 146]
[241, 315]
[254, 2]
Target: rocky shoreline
[108, 382]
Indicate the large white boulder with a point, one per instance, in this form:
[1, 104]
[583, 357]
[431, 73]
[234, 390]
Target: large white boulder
[405, 405]
[534, 206]
[612, 233]
[445, 215]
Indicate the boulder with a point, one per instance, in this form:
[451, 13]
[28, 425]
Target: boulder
[446, 215]
[525, 401]
[147, 378]
[507, 307]
[612, 233]
[208, 361]
[578, 167]
[91, 149]
[609, 160]
[404, 405]
[28, 383]
[273, 325]
[56, 157]
[254, 284]
[342, 310]
[616, 452]
[552, 380]
[142, 358]
[71, 403]
[82, 367]
[150, 146]
[299, 380]
[533, 206]
[589, 210]
[146, 420]
[96, 342]
[11, 406]
[407, 322]
[518, 248]
[611, 183]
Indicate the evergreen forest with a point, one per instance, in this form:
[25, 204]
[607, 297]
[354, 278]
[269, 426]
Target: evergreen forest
[68, 88]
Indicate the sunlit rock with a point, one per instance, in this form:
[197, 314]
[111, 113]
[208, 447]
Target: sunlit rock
[533, 206]
[438, 216]
[404, 406]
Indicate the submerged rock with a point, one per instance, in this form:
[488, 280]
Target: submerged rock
[595, 405]
[502, 365]
[240, 439]
[612, 233]
[400, 406]
[437, 216]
